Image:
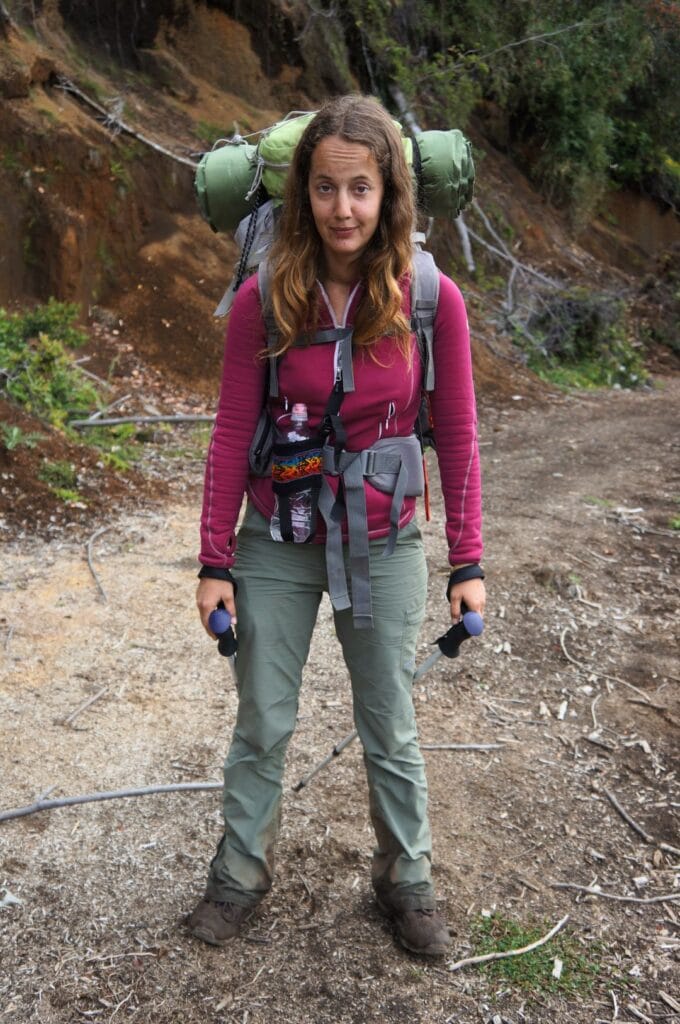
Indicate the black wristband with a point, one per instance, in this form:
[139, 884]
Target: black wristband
[214, 572]
[466, 572]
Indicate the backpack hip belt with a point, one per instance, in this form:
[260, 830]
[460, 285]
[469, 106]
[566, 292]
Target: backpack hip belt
[394, 466]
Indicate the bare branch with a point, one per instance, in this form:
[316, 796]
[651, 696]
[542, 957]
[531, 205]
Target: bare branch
[114, 422]
[117, 124]
[529, 39]
[90, 566]
[611, 896]
[70, 801]
[638, 828]
[464, 235]
[83, 707]
[461, 746]
[511, 259]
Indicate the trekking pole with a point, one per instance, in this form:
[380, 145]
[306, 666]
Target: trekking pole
[220, 624]
[448, 645]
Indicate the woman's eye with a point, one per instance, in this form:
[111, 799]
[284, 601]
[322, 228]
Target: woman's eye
[362, 189]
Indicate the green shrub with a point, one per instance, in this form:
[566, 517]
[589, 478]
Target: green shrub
[58, 474]
[581, 339]
[588, 89]
[14, 437]
[35, 366]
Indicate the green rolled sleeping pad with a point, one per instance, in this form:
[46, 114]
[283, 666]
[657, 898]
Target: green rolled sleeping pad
[222, 182]
[228, 178]
[446, 174]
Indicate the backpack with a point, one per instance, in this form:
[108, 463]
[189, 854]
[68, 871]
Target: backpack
[241, 185]
[235, 176]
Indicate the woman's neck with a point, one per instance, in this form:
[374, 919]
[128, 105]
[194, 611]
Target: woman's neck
[339, 273]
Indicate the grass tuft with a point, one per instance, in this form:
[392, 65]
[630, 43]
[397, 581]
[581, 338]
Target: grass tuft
[534, 971]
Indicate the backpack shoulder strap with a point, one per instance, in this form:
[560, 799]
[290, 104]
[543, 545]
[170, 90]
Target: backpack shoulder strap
[264, 287]
[322, 337]
[424, 299]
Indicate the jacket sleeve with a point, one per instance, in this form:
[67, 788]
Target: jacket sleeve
[240, 403]
[454, 416]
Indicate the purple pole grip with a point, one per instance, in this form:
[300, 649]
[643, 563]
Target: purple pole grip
[219, 621]
[474, 623]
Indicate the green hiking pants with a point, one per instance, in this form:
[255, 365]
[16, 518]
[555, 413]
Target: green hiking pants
[279, 590]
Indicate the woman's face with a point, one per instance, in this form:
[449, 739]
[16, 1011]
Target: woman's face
[346, 192]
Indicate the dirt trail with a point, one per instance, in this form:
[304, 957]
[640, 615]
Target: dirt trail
[575, 676]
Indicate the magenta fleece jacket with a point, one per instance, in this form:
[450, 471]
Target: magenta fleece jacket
[384, 403]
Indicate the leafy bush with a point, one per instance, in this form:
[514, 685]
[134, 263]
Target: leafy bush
[36, 369]
[14, 437]
[588, 90]
[580, 339]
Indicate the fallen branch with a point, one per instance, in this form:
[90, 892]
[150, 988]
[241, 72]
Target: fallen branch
[612, 896]
[595, 671]
[666, 847]
[566, 653]
[510, 952]
[461, 746]
[464, 236]
[70, 801]
[90, 566]
[639, 1014]
[111, 120]
[83, 707]
[108, 408]
[511, 259]
[114, 422]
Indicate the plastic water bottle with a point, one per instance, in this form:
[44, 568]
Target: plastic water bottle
[301, 501]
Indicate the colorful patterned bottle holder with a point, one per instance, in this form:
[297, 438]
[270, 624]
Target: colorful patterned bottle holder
[297, 466]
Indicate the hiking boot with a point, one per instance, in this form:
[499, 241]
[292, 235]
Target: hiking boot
[421, 930]
[217, 922]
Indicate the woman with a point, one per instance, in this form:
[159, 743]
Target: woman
[342, 258]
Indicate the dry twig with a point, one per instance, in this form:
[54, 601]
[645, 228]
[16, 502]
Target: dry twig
[639, 1014]
[90, 566]
[638, 828]
[461, 746]
[83, 707]
[112, 121]
[611, 896]
[116, 421]
[86, 798]
[510, 952]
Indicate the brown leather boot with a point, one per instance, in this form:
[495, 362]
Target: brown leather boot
[421, 930]
[217, 923]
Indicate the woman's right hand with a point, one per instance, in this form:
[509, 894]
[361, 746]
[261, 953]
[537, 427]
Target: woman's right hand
[209, 593]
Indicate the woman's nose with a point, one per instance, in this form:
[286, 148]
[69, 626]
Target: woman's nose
[342, 204]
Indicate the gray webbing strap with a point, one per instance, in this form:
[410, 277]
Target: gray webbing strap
[271, 330]
[353, 467]
[395, 509]
[424, 299]
[331, 334]
[344, 336]
[335, 563]
[357, 529]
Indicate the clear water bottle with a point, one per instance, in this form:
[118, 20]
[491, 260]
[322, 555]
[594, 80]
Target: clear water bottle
[300, 502]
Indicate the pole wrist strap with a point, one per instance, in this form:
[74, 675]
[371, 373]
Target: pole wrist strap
[466, 572]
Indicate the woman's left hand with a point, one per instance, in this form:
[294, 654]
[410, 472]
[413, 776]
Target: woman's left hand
[471, 593]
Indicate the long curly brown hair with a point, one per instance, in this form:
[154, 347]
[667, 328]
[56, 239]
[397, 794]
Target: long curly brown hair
[297, 253]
